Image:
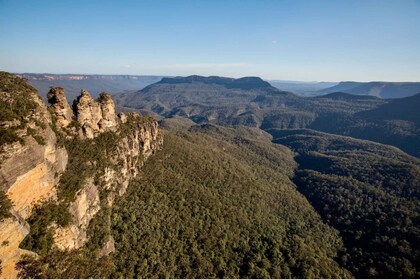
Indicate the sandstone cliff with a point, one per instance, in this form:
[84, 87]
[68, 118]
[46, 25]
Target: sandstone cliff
[32, 159]
[95, 116]
[60, 107]
[29, 168]
[137, 140]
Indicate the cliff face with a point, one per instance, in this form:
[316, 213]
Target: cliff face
[29, 168]
[134, 146]
[31, 160]
[95, 116]
[82, 210]
[60, 107]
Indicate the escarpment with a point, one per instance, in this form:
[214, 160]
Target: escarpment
[126, 151]
[30, 162]
[77, 158]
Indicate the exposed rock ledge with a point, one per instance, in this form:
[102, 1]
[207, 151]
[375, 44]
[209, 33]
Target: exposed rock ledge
[29, 172]
[128, 158]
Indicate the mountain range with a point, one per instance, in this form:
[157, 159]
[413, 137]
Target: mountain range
[215, 178]
[379, 89]
[254, 102]
[96, 84]
[114, 84]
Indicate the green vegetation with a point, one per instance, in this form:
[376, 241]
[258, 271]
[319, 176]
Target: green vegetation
[5, 206]
[9, 136]
[69, 265]
[38, 138]
[176, 123]
[40, 238]
[214, 202]
[219, 208]
[367, 191]
[204, 100]
[86, 159]
[14, 105]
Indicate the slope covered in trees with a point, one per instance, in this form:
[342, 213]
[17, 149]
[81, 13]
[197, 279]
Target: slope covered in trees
[395, 123]
[369, 192]
[214, 202]
[220, 208]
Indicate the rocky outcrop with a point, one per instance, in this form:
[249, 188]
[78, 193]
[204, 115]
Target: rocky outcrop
[108, 248]
[131, 153]
[60, 106]
[108, 121]
[136, 143]
[29, 171]
[12, 231]
[32, 162]
[83, 209]
[95, 116]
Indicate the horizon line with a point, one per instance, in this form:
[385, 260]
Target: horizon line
[172, 76]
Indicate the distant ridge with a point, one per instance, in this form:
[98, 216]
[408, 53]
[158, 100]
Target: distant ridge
[379, 89]
[95, 84]
[406, 108]
[241, 83]
[346, 96]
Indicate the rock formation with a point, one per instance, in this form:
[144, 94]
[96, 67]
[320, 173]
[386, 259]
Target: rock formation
[60, 106]
[131, 152]
[95, 116]
[32, 161]
[82, 210]
[108, 121]
[28, 171]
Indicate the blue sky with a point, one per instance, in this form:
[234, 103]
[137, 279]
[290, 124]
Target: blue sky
[312, 40]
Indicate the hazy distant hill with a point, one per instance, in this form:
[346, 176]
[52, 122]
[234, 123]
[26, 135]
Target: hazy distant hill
[379, 89]
[346, 96]
[396, 122]
[247, 101]
[407, 109]
[301, 88]
[95, 84]
[254, 102]
[221, 99]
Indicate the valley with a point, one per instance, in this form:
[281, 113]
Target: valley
[208, 177]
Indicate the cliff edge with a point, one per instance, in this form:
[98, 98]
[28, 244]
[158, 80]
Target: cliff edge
[45, 160]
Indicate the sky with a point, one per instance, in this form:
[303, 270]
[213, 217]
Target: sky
[313, 40]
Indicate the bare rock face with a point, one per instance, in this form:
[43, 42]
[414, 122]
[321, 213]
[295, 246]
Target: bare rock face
[31, 166]
[95, 116]
[83, 209]
[60, 106]
[88, 114]
[132, 150]
[29, 170]
[12, 231]
[108, 248]
[109, 120]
